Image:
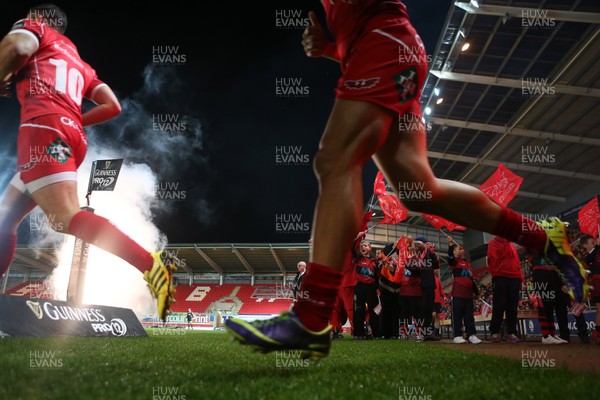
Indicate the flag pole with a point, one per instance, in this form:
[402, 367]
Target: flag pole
[448, 235]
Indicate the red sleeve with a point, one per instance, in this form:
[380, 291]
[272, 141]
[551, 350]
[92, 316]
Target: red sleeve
[94, 84]
[367, 216]
[356, 245]
[31, 26]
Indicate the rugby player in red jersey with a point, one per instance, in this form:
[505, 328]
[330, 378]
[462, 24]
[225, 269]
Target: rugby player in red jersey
[51, 82]
[384, 67]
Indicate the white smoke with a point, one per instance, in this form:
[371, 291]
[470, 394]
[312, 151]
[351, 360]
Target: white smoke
[110, 280]
[133, 204]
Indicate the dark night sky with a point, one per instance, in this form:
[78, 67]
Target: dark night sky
[226, 86]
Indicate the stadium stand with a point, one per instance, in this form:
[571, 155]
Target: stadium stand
[241, 299]
[232, 298]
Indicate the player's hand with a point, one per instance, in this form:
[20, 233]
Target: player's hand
[314, 39]
[5, 86]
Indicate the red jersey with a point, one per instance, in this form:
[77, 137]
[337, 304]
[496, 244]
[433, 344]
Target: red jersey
[347, 22]
[462, 286]
[503, 259]
[365, 269]
[55, 79]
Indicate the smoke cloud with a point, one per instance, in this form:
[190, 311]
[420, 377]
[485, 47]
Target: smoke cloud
[159, 139]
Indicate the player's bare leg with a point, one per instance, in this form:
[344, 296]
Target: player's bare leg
[59, 202]
[14, 207]
[403, 159]
[354, 131]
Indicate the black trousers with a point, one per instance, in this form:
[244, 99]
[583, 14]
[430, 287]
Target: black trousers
[562, 306]
[548, 288]
[428, 306]
[462, 310]
[411, 307]
[506, 300]
[365, 294]
[390, 313]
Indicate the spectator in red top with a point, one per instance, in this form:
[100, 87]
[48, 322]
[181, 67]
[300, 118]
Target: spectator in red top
[390, 278]
[343, 308]
[365, 291]
[505, 268]
[592, 259]
[431, 264]
[462, 293]
[411, 295]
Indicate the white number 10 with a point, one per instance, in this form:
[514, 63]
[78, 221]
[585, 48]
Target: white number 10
[71, 81]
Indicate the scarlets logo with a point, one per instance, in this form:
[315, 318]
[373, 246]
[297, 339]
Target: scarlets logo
[361, 83]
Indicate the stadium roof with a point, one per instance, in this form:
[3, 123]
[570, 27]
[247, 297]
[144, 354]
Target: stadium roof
[248, 258]
[216, 258]
[529, 81]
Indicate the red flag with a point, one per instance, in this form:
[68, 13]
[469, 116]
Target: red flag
[379, 184]
[502, 186]
[402, 245]
[589, 217]
[439, 222]
[402, 253]
[393, 211]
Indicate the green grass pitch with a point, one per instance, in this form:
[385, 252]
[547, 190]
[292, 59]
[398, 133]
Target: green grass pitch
[188, 365]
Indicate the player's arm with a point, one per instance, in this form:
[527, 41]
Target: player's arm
[315, 42]
[107, 106]
[15, 50]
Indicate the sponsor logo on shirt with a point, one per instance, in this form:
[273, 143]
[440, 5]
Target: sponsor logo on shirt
[69, 122]
[359, 84]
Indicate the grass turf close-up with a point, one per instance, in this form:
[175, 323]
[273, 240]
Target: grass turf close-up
[185, 365]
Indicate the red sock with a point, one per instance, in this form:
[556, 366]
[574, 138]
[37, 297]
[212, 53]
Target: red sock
[8, 242]
[100, 232]
[320, 286]
[521, 230]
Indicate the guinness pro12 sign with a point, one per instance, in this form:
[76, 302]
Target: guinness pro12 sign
[104, 175]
